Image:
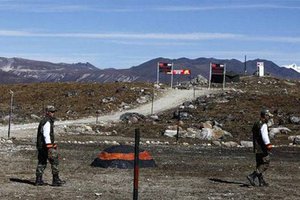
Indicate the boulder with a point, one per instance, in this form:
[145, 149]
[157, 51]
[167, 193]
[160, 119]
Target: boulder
[108, 99]
[205, 134]
[206, 124]
[294, 120]
[274, 131]
[132, 117]
[170, 133]
[216, 143]
[294, 139]
[230, 144]
[182, 115]
[246, 143]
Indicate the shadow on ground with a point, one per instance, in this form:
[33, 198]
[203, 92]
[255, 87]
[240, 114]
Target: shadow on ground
[22, 181]
[217, 180]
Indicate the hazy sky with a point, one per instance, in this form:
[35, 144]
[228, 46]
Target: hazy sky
[125, 33]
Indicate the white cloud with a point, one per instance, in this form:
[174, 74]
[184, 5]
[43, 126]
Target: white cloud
[136, 6]
[153, 36]
[225, 7]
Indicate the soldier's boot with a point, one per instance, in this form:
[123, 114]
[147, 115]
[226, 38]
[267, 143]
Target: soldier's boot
[251, 178]
[56, 181]
[39, 180]
[261, 180]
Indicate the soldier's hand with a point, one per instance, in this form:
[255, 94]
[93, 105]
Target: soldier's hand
[269, 147]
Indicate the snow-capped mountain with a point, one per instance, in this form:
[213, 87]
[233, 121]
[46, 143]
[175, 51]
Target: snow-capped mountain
[20, 70]
[293, 66]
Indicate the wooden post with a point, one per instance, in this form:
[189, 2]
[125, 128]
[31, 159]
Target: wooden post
[136, 164]
[11, 110]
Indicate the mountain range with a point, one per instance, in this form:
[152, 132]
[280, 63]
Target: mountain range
[19, 70]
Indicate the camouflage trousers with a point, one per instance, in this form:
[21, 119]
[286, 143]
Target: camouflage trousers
[45, 155]
[262, 162]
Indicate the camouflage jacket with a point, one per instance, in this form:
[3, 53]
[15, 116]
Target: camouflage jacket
[40, 143]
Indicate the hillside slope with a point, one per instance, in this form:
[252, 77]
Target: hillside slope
[235, 108]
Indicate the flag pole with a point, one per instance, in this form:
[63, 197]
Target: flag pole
[224, 79]
[172, 76]
[209, 78]
[157, 73]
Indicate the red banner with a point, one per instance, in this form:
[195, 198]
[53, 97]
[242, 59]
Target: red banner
[217, 69]
[164, 67]
[180, 71]
[217, 73]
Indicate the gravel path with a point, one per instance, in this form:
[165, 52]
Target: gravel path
[170, 99]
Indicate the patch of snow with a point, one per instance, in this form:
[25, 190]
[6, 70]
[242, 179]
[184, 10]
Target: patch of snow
[293, 66]
[8, 67]
[83, 77]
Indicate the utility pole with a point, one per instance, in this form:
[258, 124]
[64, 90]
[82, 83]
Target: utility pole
[11, 110]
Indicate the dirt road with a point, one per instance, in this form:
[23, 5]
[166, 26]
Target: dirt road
[170, 99]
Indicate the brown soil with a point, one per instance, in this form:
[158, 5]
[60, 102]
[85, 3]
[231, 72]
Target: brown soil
[182, 172]
[73, 100]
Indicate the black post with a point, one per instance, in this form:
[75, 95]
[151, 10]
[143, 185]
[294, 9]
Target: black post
[177, 135]
[136, 164]
[97, 116]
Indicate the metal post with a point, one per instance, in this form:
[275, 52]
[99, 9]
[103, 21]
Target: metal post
[224, 74]
[136, 164]
[172, 68]
[157, 73]
[152, 101]
[11, 110]
[209, 78]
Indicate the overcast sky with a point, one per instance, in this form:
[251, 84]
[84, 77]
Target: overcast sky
[126, 33]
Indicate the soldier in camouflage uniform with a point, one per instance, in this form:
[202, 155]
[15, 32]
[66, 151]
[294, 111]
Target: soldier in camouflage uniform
[261, 147]
[47, 149]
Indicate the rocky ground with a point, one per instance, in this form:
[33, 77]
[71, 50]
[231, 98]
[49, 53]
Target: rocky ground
[209, 160]
[182, 172]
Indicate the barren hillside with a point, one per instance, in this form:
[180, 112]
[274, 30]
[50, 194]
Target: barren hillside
[190, 168]
[235, 108]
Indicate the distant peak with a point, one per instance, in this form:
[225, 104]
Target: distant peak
[293, 66]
